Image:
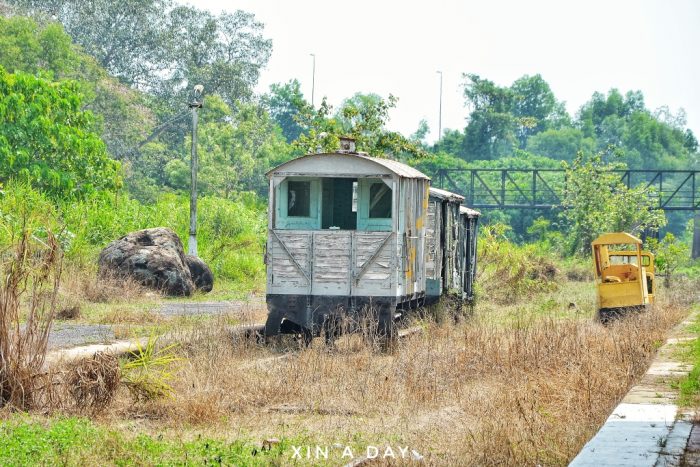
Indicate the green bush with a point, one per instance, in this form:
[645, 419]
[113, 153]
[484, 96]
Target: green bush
[509, 272]
[230, 236]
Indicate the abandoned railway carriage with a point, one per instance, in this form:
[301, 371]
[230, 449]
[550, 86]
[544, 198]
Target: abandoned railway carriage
[349, 233]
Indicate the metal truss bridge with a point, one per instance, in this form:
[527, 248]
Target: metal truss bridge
[674, 190]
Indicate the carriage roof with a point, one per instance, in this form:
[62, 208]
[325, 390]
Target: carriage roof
[345, 164]
[469, 212]
[446, 195]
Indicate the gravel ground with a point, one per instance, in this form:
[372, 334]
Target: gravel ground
[72, 335]
[65, 335]
[207, 308]
[199, 308]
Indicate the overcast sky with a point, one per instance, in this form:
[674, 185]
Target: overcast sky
[397, 47]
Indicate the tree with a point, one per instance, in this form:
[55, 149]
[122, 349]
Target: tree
[162, 48]
[286, 104]
[125, 37]
[24, 46]
[490, 132]
[560, 144]
[596, 201]
[362, 117]
[645, 140]
[450, 142]
[45, 49]
[224, 53]
[503, 118]
[669, 254]
[535, 108]
[48, 141]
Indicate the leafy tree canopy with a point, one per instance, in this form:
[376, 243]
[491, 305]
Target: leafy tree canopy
[45, 49]
[163, 48]
[596, 201]
[503, 118]
[286, 105]
[362, 117]
[48, 141]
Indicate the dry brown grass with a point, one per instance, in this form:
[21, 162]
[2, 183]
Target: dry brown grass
[523, 384]
[92, 383]
[488, 391]
[83, 284]
[30, 272]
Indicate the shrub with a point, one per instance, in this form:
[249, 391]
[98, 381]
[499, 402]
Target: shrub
[510, 272]
[147, 371]
[31, 272]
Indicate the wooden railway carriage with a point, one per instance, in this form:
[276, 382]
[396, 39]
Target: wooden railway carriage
[349, 233]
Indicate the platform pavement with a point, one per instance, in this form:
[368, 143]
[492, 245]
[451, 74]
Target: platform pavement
[647, 428]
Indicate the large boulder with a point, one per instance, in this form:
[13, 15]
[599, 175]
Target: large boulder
[152, 257]
[201, 274]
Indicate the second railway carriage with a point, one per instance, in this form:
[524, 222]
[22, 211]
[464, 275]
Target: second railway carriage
[348, 233]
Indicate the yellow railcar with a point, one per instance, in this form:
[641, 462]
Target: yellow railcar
[624, 274]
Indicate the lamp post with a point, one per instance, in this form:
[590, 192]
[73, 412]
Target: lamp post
[313, 79]
[195, 105]
[440, 111]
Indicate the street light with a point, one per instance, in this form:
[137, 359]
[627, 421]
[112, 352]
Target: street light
[440, 114]
[195, 105]
[313, 79]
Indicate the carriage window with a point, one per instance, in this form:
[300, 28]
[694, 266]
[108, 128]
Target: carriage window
[623, 259]
[379, 201]
[298, 199]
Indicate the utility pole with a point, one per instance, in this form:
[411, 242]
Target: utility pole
[440, 112]
[313, 79]
[195, 105]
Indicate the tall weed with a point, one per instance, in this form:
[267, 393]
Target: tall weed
[31, 272]
[509, 272]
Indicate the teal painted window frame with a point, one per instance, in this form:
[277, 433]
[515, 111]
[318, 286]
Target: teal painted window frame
[364, 222]
[313, 221]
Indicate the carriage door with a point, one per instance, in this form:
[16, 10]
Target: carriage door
[332, 245]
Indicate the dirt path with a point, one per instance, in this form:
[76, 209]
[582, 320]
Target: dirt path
[65, 335]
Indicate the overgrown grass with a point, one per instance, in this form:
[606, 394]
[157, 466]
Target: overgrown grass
[689, 386]
[496, 389]
[509, 273]
[77, 441]
[503, 387]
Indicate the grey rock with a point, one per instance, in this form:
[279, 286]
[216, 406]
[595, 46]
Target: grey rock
[200, 272]
[154, 258]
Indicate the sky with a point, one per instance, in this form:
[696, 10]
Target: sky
[397, 47]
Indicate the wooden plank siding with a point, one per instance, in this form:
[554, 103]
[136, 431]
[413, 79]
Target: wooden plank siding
[288, 272]
[377, 248]
[332, 257]
[433, 258]
[340, 262]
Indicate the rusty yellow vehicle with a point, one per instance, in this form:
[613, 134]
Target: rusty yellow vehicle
[624, 275]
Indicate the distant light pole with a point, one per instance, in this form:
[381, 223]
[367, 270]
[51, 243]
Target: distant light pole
[313, 79]
[195, 105]
[440, 114]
